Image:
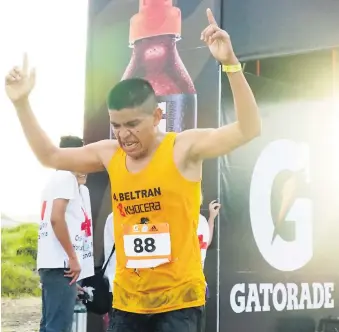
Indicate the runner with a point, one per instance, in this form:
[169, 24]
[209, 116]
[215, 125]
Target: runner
[155, 181]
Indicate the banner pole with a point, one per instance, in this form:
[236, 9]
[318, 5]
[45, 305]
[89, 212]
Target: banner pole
[258, 67]
[335, 85]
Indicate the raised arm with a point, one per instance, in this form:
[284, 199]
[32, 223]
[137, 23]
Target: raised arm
[211, 143]
[19, 84]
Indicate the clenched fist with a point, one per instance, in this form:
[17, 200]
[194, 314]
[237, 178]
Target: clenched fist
[20, 82]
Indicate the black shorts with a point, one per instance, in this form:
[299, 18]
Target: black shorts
[183, 320]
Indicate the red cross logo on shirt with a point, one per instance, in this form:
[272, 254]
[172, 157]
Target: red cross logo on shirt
[203, 245]
[86, 225]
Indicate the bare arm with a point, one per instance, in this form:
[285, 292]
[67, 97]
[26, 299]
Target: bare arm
[87, 159]
[211, 228]
[211, 143]
[60, 227]
[214, 208]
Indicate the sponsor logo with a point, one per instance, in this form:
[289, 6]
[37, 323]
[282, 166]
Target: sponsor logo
[278, 251]
[280, 297]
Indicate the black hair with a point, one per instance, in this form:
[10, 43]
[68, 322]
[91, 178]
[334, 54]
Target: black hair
[71, 142]
[132, 93]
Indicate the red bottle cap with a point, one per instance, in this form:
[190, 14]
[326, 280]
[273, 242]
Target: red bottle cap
[155, 17]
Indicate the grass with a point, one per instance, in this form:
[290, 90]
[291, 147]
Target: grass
[18, 261]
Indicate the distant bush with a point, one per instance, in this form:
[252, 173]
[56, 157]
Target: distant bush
[18, 261]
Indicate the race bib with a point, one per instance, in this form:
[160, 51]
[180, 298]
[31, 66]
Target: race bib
[147, 245]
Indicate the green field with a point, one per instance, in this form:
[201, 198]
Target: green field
[18, 261]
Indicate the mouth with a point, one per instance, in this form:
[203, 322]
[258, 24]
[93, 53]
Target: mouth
[129, 145]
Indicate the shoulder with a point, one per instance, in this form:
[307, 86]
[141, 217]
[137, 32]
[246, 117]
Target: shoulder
[63, 176]
[186, 140]
[105, 149]
[63, 184]
[84, 190]
[202, 220]
[109, 225]
[109, 219]
[203, 226]
[191, 135]
[103, 146]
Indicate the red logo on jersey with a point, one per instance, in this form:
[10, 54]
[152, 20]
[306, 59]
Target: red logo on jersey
[43, 210]
[203, 245]
[120, 207]
[86, 225]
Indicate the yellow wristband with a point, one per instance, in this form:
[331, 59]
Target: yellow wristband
[232, 68]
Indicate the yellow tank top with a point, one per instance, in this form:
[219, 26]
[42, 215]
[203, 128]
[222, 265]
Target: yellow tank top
[156, 214]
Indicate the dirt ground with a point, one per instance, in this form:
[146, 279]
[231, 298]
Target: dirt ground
[20, 314]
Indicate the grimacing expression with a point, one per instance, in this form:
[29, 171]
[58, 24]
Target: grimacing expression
[134, 129]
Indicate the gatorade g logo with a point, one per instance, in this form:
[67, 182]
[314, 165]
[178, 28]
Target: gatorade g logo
[281, 254]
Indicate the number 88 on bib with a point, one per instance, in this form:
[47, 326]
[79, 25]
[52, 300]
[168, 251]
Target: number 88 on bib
[147, 245]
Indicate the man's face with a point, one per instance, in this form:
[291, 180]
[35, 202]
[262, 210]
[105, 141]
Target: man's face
[135, 130]
[81, 178]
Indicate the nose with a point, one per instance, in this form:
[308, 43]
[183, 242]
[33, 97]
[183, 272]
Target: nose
[123, 133]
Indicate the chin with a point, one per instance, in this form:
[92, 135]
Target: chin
[136, 154]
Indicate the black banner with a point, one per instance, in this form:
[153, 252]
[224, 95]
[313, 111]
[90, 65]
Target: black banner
[264, 28]
[279, 246]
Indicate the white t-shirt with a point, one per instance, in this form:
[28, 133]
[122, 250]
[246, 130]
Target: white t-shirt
[78, 216]
[108, 246]
[204, 236]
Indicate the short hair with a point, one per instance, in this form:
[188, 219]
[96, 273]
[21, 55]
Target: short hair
[132, 93]
[71, 142]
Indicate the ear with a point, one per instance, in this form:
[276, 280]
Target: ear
[157, 116]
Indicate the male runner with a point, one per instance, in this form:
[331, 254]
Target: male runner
[156, 182]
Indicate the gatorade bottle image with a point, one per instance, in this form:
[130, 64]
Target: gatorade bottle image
[154, 31]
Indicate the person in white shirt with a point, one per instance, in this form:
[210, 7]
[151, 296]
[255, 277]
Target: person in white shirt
[108, 246]
[206, 228]
[205, 235]
[65, 244]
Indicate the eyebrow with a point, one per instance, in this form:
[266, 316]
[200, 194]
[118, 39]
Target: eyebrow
[129, 123]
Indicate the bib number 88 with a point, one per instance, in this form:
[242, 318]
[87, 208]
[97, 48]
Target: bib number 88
[147, 245]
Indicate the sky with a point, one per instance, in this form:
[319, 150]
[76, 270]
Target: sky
[53, 33]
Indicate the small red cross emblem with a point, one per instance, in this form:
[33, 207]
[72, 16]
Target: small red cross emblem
[86, 225]
[203, 245]
[43, 210]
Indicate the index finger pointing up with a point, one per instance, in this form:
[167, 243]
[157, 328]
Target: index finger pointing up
[210, 17]
[25, 64]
